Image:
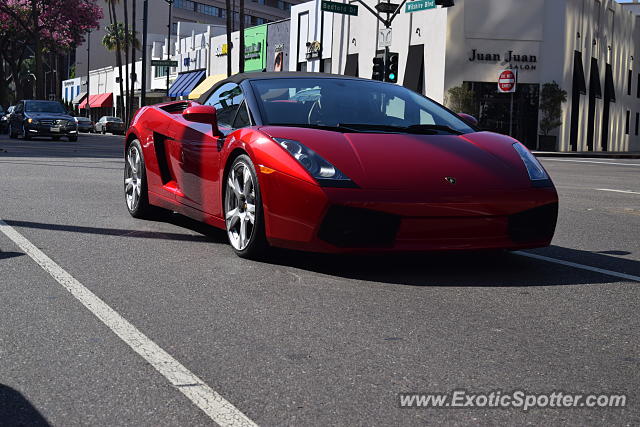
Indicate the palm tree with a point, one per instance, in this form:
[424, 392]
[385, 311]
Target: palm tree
[113, 41]
[133, 59]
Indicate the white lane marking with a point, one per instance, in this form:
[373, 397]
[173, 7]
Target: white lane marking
[203, 396]
[546, 159]
[618, 191]
[580, 266]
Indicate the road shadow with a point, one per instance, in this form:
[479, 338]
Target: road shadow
[206, 233]
[16, 410]
[479, 268]
[6, 255]
[460, 269]
[99, 147]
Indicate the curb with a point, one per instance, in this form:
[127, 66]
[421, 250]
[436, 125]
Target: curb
[589, 155]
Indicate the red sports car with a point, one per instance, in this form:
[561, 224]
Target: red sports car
[331, 163]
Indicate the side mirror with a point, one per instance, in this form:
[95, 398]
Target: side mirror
[468, 119]
[202, 114]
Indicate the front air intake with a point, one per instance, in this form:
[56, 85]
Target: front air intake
[534, 225]
[348, 227]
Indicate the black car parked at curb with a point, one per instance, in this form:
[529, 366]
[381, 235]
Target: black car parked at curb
[35, 118]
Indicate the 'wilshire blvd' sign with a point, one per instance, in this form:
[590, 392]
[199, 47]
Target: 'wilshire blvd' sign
[517, 61]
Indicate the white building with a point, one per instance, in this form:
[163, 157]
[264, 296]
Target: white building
[591, 48]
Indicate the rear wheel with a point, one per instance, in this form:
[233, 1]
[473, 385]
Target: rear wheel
[135, 182]
[243, 209]
[12, 132]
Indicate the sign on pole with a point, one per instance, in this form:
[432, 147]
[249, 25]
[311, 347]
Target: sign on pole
[343, 8]
[507, 82]
[418, 5]
[384, 38]
[163, 63]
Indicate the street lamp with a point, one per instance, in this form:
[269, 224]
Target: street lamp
[170, 2]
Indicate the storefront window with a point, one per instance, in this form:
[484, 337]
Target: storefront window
[494, 112]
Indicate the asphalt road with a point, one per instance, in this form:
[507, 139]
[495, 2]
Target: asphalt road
[305, 339]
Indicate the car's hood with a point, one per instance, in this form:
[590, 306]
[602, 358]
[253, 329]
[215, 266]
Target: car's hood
[421, 163]
[55, 116]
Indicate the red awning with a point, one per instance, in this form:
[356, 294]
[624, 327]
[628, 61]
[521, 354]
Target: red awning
[98, 101]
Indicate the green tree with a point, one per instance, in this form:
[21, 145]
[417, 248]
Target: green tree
[551, 99]
[461, 99]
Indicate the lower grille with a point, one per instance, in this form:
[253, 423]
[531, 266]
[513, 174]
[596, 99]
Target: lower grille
[534, 225]
[358, 228]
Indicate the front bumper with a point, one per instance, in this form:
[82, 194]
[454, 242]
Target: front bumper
[50, 130]
[354, 220]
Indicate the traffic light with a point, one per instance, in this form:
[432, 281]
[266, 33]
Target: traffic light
[378, 68]
[391, 68]
[445, 3]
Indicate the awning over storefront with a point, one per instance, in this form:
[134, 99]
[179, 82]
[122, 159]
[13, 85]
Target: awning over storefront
[207, 84]
[79, 97]
[102, 100]
[185, 83]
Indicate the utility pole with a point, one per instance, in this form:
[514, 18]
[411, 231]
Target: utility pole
[143, 84]
[241, 49]
[229, 20]
[88, 71]
[169, 43]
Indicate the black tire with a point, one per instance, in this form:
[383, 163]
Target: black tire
[72, 138]
[104, 132]
[25, 134]
[257, 245]
[55, 138]
[141, 209]
[12, 133]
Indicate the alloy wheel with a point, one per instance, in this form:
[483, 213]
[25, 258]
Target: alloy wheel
[133, 177]
[240, 205]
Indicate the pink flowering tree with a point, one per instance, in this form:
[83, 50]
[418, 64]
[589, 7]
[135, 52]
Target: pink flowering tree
[41, 26]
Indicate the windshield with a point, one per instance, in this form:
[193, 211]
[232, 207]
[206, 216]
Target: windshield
[347, 102]
[44, 107]
[114, 119]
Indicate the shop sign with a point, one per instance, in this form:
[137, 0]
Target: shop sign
[253, 51]
[514, 61]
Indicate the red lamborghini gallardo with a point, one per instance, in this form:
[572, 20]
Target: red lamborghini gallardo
[331, 163]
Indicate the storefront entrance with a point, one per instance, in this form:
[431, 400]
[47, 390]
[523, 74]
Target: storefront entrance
[493, 110]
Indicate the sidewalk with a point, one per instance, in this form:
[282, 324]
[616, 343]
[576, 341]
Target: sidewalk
[590, 154]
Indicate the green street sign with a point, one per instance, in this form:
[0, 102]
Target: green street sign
[418, 5]
[344, 8]
[163, 63]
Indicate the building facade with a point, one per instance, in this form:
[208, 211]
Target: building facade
[590, 48]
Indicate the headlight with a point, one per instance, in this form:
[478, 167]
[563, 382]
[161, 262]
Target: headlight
[324, 172]
[534, 168]
[32, 121]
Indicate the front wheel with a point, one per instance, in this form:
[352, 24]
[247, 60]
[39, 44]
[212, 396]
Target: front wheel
[135, 182]
[72, 138]
[25, 134]
[243, 209]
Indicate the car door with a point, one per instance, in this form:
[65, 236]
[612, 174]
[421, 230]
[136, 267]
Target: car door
[199, 151]
[17, 117]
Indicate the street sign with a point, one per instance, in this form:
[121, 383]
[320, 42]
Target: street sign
[163, 63]
[386, 7]
[343, 8]
[507, 82]
[418, 5]
[384, 38]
